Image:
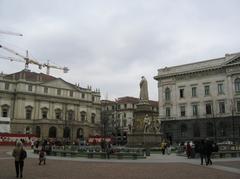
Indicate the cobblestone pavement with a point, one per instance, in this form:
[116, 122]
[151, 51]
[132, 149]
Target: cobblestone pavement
[67, 168]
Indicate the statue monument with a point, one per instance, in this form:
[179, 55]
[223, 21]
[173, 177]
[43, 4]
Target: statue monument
[145, 131]
[144, 90]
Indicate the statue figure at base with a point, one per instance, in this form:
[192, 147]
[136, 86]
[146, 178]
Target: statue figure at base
[146, 124]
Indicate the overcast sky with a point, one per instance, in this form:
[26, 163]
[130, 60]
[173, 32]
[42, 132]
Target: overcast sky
[110, 44]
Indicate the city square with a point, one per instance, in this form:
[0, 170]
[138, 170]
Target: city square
[156, 166]
[119, 89]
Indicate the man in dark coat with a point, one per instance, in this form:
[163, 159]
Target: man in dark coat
[209, 150]
[201, 150]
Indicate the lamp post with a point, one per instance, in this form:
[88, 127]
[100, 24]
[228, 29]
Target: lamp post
[214, 122]
[233, 122]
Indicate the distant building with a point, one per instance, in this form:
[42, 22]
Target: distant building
[201, 100]
[119, 114]
[48, 107]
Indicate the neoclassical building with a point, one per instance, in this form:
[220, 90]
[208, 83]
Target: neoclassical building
[48, 107]
[120, 113]
[201, 100]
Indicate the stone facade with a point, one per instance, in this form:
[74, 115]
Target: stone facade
[200, 100]
[121, 113]
[49, 107]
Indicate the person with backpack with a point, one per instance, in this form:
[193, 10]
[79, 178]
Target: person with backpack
[19, 153]
[42, 157]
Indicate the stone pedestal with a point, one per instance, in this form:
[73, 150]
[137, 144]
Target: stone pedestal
[144, 140]
[139, 137]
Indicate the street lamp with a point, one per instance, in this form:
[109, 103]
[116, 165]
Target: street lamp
[233, 122]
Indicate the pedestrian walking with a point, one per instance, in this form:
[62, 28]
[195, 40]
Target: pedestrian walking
[189, 150]
[202, 151]
[19, 153]
[42, 157]
[209, 150]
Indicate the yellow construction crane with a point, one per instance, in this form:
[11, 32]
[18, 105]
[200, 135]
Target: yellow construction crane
[48, 66]
[10, 33]
[26, 59]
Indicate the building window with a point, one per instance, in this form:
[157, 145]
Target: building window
[196, 130]
[124, 115]
[58, 114]
[27, 130]
[44, 113]
[183, 130]
[52, 132]
[112, 116]
[181, 93]
[5, 109]
[29, 87]
[168, 112]
[28, 112]
[118, 116]
[93, 118]
[83, 116]
[194, 91]
[83, 95]
[237, 85]
[58, 91]
[70, 115]
[93, 98]
[182, 110]
[238, 106]
[125, 106]
[206, 90]
[119, 107]
[167, 94]
[210, 129]
[113, 108]
[221, 107]
[220, 89]
[222, 129]
[66, 132]
[195, 110]
[6, 86]
[45, 89]
[208, 108]
[71, 93]
[124, 123]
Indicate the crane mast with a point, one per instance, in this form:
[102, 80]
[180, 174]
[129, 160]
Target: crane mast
[26, 59]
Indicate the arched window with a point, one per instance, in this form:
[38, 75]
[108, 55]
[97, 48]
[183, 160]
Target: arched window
[210, 129]
[93, 118]
[196, 130]
[83, 116]
[38, 131]
[167, 94]
[5, 110]
[27, 130]
[52, 132]
[80, 133]
[237, 85]
[183, 130]
[66, 132]
[28, 112]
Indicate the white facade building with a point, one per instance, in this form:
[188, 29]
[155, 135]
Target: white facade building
[200, 100]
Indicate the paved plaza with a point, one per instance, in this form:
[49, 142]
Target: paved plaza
[155, 166]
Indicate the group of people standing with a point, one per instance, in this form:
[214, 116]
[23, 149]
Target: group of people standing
[205, 149]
